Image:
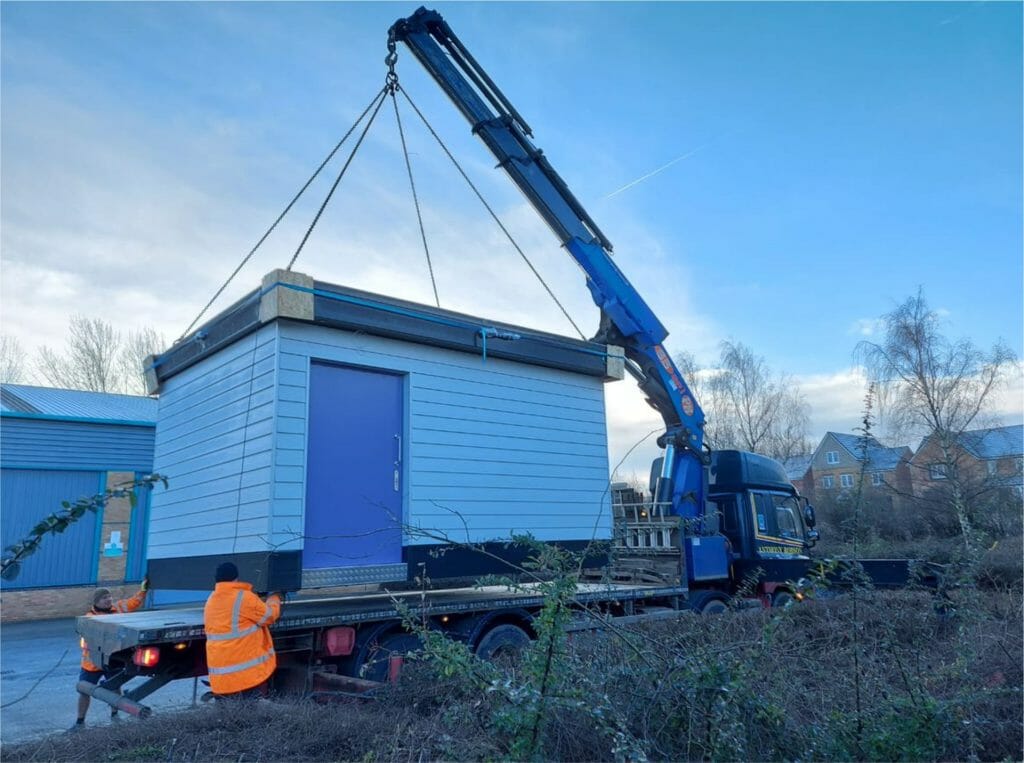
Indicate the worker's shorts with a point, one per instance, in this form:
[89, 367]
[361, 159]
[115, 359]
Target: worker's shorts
[94, 676]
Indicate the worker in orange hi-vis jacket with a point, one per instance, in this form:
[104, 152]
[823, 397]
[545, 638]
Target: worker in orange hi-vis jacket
[103, 604]
[239, 649]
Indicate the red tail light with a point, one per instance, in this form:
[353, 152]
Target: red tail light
[340, 640]
[146, 656]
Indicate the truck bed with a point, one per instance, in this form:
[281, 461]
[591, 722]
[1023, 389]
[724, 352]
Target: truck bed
[109, 634]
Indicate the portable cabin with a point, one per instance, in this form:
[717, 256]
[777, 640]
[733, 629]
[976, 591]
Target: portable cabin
[320, 436]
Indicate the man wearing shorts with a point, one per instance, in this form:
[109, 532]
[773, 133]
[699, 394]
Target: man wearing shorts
[102, 604]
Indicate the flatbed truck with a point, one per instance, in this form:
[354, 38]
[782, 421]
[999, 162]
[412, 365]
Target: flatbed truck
[349, 643]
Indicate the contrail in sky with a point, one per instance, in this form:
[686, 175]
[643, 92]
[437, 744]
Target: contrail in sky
[663, 167]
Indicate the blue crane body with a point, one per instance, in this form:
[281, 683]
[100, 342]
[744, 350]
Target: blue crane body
[626, 319]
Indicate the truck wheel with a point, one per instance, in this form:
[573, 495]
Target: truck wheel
[708, 603]
[781, 598]
[502, 642]
[377, 664]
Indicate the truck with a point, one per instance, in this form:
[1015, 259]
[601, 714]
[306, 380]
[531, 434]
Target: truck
[710, 529]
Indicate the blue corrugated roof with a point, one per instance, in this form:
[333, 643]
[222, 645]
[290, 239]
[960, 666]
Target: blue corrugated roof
[880, 458]
[21, 399]
[998, 442]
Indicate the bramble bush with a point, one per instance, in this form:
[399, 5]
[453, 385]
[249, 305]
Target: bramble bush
[934, 684]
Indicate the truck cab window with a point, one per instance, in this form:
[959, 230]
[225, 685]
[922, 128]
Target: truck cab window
[778, 516]
[726, 505]
[786, 521]
[764, 514]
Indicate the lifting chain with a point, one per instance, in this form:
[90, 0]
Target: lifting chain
[391, 86]
[391, 81]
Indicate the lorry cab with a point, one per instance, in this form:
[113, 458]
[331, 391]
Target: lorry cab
[759, 511]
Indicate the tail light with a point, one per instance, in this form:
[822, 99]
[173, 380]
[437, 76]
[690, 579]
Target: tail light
[146, 656]
[340, 640]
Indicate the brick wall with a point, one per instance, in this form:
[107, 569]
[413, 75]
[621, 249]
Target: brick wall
[117, 517]
[53, 603]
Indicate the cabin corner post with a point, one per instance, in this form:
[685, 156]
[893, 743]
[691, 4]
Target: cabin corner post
[278, 300]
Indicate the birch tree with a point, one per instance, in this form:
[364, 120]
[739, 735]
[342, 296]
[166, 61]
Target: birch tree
[931, 385]
[747, 405]
[137, 346]
[12, 361]
[98, 358]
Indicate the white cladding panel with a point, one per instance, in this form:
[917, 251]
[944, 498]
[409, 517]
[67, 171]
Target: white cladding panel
[214, 443]
[493, 447]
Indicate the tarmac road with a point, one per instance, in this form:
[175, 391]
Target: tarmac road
[31, 708]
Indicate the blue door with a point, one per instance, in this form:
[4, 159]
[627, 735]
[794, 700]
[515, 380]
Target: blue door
[354, 468]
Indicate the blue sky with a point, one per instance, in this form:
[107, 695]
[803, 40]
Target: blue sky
[841, 156]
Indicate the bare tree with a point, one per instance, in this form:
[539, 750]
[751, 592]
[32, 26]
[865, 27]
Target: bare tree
[12, 361]
[89, 361]
[933, 386]
[718, 426]
[747, 406]
[137, 346]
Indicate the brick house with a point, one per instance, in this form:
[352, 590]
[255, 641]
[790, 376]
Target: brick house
[60, 445]
[800, 474]
[984, 459]
[838, 460]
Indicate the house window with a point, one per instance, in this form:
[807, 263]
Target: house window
[937, 471]
[846, 480]
[826, 482]
[832, 457]
[876, 479]
[991, 467]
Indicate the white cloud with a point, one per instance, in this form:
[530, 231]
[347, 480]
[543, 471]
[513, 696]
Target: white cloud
[866, 327]
[1008, 402]
[836, 401]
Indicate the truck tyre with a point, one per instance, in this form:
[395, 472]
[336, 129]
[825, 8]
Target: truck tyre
[502, 642]
[708, 603]
[781, 598]
[377, 664]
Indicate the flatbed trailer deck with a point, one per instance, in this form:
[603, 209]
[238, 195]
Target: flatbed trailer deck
[328, 645]
[112, 638]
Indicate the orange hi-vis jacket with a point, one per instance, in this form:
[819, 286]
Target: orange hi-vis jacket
[239, 649]
[121, 606]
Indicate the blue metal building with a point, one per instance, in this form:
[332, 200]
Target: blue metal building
[58, 445]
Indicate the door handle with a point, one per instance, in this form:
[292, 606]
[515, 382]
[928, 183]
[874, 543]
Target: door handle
[398, 461]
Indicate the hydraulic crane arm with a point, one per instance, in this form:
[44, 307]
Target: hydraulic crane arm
[626, 319]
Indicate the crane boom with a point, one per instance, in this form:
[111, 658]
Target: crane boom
[626, 319]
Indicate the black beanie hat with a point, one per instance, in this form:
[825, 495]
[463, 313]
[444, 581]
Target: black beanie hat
[226, 572]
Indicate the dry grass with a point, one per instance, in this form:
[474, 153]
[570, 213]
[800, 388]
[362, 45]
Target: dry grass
[744, 686]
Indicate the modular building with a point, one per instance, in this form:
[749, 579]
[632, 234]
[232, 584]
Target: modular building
[61, 445]
[320, 436]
